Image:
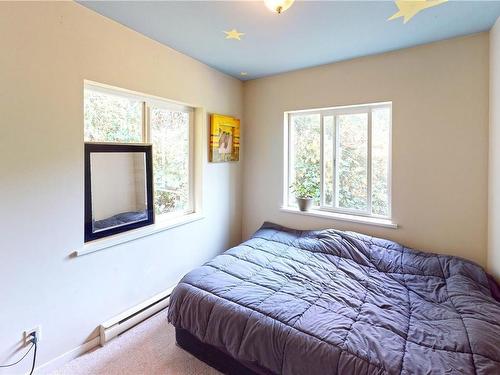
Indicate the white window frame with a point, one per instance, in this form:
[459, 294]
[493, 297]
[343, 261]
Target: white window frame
[197, 118]
[323, 209]
[163, 104]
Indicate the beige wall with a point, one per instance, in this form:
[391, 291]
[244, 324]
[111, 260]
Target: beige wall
[440, 141]
[48, 50]
[494, 165]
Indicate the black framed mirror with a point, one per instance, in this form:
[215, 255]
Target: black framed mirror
[118, 188]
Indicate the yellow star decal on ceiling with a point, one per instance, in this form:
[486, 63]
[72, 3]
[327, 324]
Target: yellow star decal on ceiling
[409, 8]
[233, 34]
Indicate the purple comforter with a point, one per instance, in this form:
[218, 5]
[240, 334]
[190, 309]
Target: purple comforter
[332, 302]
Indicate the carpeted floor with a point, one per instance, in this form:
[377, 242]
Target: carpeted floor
[148, 348]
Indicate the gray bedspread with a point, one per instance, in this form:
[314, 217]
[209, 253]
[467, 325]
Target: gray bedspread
[332, 302]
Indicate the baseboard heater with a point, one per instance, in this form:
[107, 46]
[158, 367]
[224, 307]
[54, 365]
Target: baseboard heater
[127, 319]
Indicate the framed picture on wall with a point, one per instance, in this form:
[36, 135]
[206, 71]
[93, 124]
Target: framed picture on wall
[118, 188]
[224, 138]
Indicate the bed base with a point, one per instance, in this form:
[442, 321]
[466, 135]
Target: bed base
[216, 358]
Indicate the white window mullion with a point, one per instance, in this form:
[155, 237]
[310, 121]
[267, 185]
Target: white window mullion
[321, 162]
[389, 168]
[286, 160]
[146, 125]
[334, 160]
[335, 163]
[291, 159]
[369, 164]
[191, 156]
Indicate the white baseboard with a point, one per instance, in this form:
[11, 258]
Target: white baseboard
[129, 318]
[64, 358]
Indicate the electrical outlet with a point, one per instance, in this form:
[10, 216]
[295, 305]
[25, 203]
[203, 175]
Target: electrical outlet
[27, 334]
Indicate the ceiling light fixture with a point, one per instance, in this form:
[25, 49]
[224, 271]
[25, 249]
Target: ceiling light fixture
[278, 6]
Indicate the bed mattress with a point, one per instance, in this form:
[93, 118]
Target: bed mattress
[333, 302]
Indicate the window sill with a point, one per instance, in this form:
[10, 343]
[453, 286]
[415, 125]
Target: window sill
[135, 234]
[386, 223]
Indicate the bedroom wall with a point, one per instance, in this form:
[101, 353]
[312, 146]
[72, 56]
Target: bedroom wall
[49, 48]
[440, 141]
[494, 164]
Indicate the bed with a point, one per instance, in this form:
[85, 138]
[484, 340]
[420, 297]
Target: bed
[331, 302]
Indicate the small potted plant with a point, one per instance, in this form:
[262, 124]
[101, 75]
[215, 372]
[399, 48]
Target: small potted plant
[305, 191]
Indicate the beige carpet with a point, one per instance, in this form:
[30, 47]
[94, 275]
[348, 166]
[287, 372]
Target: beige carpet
[148, 348]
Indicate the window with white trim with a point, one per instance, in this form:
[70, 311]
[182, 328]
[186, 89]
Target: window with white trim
[340, 157]
[117, 116]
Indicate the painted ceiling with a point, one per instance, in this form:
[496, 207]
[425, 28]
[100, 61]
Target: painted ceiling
[310, 33]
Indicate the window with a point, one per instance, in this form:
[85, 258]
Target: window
[342, 156]
[112, 118]
[170, 134]
[115, 116]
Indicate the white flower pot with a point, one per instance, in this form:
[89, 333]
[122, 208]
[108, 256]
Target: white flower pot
[305, 204]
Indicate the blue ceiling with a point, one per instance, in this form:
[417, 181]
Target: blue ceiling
[309, 33]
